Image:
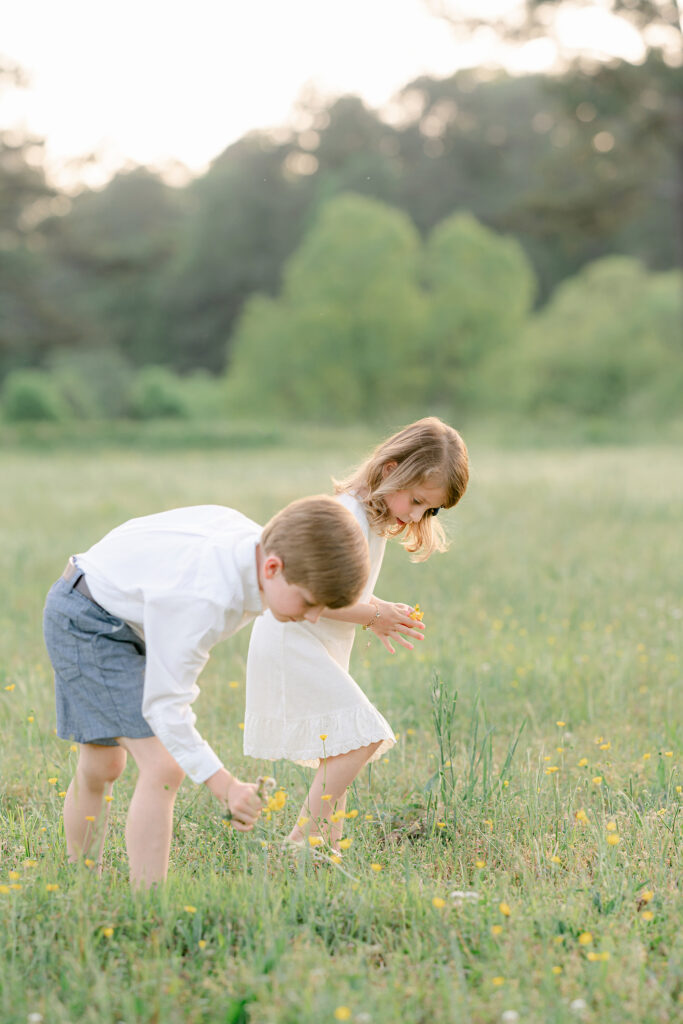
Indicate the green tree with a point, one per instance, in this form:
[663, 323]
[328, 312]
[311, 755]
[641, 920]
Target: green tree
[343, 339]
[608, 343]
[481, 288]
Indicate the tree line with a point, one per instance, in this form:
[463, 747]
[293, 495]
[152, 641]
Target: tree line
[531, 182]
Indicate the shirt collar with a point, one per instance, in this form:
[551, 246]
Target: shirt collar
[245, 556]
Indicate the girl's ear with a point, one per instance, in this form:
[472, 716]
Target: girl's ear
[388, 468]
[272, 566]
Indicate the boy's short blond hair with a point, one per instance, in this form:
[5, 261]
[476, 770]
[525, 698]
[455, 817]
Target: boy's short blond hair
[322, 548]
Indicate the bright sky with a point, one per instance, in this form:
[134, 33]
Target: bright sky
[156, 81]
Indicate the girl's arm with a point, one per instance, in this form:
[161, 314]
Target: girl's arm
[387, 620]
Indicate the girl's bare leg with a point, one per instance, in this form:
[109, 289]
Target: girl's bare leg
[332, 778]
[86, 812]
[150, 817]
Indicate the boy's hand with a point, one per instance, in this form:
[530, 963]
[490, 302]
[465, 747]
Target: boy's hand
[395, 622]
[241, 799]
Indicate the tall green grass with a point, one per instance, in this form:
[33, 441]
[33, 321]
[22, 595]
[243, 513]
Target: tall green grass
[538, 724]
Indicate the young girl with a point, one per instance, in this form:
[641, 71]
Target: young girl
[302, 704]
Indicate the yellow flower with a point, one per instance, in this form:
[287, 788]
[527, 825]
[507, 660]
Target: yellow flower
[646, 757]
[480, 863]
[585, 939]
[277, 801]
[89, 863]
[369, 817]
[326, 796]
[323, 736]
[30, 863]
[335, 858]
[556, 969]
[555, 859]
[30, 718]
[438, 902]
[107, 932]
[190, 909]
[647, 915]
[234, 685]
[581, 816]
[376, 867]
[613, 839]
[352, 814]
[668, 753]
[202, 943]
[51, 887]
[53, 780]
[62, 793]
[10, 687]
[441, 824]
[417, 614]
[342, 1013]
[108, 798]
[4, 889]
[559, 750]
[410, 732]
[16, 887]
[14, 875]
[315, 840]
[646, 896]
[496, 929]
[561, 724]
[583, 762]
[599, 739]
[498, 981]
[551, 768]
[605, 746]
[611, 826]
[597, 780]
[504, 909]
[593, 956]
[241, 726]
[337, 816]
[489, 822]
[90, 817]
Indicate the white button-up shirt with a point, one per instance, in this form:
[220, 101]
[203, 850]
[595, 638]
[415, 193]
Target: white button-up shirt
[183, 580]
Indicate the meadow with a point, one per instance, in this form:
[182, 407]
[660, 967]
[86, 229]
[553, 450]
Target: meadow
[516, 856]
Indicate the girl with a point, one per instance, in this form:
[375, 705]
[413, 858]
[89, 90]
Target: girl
[302, 704]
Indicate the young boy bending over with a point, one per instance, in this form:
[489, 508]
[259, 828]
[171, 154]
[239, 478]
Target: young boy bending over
[129, 627]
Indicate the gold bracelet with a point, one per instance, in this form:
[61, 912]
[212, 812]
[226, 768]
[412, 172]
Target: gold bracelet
[374, 618]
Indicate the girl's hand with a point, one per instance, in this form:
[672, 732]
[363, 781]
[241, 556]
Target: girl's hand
[241, 800]
[394, 623]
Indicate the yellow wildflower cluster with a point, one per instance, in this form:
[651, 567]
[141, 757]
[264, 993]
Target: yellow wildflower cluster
[417, 614]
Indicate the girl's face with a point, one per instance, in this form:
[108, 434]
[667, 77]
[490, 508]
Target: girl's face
[410, 505]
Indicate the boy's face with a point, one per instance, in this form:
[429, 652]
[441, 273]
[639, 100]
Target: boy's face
[288, 602]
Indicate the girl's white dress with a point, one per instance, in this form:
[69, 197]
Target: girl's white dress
[299, 687]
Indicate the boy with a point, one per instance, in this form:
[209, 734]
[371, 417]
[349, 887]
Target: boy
[129, 627]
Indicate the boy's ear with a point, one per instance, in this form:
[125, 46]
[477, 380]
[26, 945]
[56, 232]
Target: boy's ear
[388, 468]
[272, 566]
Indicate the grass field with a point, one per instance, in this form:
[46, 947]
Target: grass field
[549, 792]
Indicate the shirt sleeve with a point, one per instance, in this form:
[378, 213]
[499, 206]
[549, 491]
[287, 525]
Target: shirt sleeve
[179, 635]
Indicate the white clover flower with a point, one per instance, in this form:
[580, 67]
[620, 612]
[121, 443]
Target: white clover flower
[578, 1006]
[509, 1017]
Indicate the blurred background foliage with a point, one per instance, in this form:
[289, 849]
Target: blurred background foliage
[485, 243]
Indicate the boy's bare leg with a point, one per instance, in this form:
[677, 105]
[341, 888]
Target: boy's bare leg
[86, 812]
[150, 817]
[331, 779]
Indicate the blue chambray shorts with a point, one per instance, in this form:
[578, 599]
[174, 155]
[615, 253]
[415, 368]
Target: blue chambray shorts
[99, 666]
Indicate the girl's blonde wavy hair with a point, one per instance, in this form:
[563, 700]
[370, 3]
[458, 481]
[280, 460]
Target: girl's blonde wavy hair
[426, 452]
